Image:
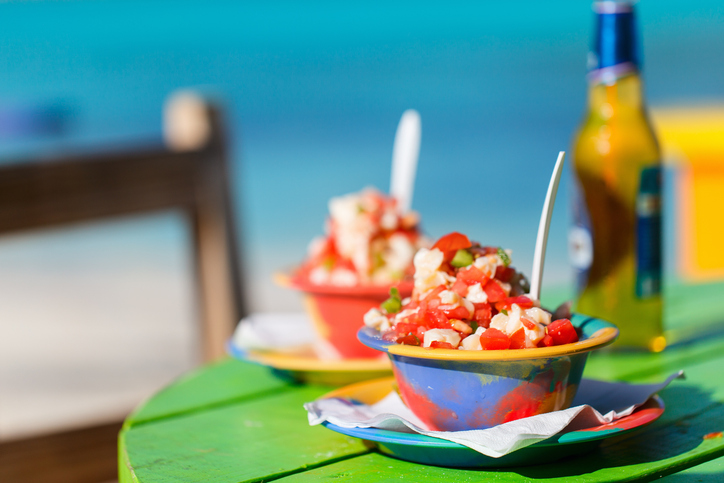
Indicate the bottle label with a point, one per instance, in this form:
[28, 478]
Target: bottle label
[580, 241]
[648, 234]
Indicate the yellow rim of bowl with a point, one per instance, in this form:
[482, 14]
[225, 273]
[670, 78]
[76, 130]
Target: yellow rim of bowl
[600, 338]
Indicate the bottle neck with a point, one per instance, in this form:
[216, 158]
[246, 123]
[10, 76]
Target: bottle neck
[619, 96]
[614, 60]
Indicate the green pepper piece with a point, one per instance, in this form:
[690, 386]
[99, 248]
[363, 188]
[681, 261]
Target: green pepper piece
[462, 258]
[504, 257]
[474, 325]
[393, 304]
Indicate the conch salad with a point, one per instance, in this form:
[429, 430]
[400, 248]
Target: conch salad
[468, 297]
[367, 242]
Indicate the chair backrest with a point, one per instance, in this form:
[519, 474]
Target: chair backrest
[192, 178]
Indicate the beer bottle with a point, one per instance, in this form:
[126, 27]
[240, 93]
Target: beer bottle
[615, 241]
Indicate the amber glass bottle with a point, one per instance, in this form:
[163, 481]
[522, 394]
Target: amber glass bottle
[616, 237]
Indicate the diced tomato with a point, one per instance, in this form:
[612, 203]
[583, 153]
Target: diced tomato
[413, 304]
[494, 291]
[435, 319]
[504, 274]
[517, 340]
[521, 301]
[432, 303]
[457, 313]
[431, 300]
[460, 287]
[562, 332]
[345, 263]
[404, 328]
[546, 341]
[410, 319]
[472, 275]
[420, 332]
[527, 323]
[410, 339]
[452, 242]
[438, 344]
[493, 339]
[434, 294]
[483, 313]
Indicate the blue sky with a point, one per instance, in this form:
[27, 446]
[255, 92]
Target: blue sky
[314, 92]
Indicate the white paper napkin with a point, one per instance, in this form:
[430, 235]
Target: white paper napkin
[283, 333]
[274, 331]
[596, 403]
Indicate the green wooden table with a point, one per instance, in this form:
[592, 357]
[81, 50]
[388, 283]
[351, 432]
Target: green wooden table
[237, 422]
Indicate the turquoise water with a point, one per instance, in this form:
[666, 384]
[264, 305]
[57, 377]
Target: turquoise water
[314, 92]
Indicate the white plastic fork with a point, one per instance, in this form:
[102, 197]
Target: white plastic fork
[543, 227]
[404, 159]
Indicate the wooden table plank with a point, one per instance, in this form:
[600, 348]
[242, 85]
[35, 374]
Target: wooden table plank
[640, 366]
[643, 458]
[692, 310]
[376, 467]
[702, 389]
[711, 472]
[223, 382]
[252, 440]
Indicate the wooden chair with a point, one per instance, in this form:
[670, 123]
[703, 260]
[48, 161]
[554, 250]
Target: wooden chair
[42, 193]
[190, 174]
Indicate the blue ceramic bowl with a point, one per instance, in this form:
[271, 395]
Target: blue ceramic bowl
[456, 390]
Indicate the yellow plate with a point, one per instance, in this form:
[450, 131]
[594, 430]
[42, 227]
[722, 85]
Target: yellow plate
[307, 367]
[367, 392]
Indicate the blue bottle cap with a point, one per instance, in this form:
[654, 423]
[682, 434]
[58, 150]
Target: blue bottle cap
[615, 45]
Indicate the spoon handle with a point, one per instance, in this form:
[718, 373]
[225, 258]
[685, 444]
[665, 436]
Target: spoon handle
[404, 159]
[543, 227]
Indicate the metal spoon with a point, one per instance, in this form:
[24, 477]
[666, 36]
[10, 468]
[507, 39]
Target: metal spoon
[404, 159]
[543, 227]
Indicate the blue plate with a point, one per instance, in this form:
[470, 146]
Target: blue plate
[423, 449]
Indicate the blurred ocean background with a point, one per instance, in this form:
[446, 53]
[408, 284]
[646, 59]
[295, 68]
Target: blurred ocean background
[313, 93]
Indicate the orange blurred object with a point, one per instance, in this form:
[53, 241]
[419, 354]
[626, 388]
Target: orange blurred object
[692, 139]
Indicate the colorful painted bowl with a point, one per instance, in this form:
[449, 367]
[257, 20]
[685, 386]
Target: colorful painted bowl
[455, 390]
[337, 312]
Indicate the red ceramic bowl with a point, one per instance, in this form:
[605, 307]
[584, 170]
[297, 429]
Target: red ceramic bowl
[337, 313]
